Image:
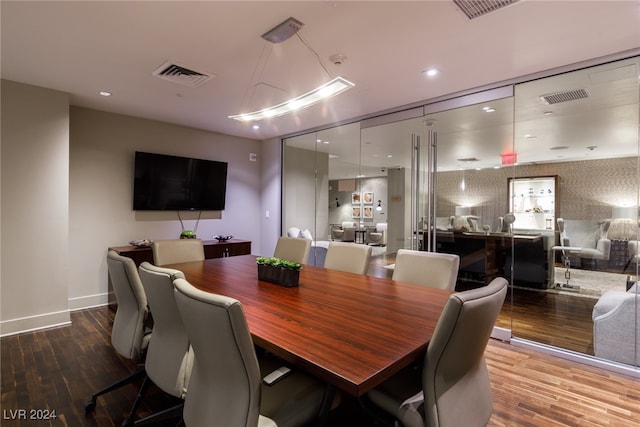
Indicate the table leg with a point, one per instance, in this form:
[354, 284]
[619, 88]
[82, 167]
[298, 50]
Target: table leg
[327, 403]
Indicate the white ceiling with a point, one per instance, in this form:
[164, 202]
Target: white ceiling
[82, 47]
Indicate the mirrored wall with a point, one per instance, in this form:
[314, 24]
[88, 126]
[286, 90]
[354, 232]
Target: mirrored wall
[537, 182]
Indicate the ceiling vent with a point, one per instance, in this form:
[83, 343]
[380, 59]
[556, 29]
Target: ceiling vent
[570, 95]
[468, 160]
[476, 8]
[178, 73]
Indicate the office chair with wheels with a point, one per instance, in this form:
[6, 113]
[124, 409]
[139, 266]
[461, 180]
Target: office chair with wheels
[434, 269]
[349, 257]
[177, 251]
[452, 386]
[227, 387]
[169, 356]
[129, 334]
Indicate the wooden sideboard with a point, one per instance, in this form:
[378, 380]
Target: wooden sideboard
[212, 249]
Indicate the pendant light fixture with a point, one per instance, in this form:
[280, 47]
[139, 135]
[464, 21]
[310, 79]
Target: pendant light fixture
[335, 86]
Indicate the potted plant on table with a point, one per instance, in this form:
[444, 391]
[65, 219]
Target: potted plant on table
[278, 271]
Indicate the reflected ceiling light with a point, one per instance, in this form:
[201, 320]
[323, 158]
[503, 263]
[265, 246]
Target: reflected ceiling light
[104, 93]
[489, 109]
[327, 90]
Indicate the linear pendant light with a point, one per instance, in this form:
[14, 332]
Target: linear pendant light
[327, 90]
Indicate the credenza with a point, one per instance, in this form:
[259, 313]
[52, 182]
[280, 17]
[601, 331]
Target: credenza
[212, 249]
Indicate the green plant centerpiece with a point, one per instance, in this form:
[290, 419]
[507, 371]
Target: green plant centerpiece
[278, 271]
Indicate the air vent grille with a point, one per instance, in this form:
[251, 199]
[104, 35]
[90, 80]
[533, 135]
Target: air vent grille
[569, 95]
[476, 8]
[178, 73]
[468, 159]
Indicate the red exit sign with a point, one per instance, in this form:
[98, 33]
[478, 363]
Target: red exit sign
[509, 158]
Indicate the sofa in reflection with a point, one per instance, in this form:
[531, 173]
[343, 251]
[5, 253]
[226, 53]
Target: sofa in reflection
[616, 326]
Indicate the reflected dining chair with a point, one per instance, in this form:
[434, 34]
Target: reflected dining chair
[169, 356]
[177, 251]
[349, 257]
[129, 334]
[434, 269]
[293, 249]
[452, 386]
[227, 387]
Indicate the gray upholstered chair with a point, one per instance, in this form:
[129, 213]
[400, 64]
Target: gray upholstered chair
[616, 326]
[594, 243]
[452, 387]
[349, 228]
[176, 251]
[226, 388]
[169, 356]
[349, 257]
[337, 232]
[129, 334]
[294, 249]
[434, 269]
[378, 235]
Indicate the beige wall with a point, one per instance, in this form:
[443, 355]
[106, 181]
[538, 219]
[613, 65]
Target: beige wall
[67, 196]
[101, 173]
[35, 208]
[306, 183]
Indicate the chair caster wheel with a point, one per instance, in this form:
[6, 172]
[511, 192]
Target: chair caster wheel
[90, 406]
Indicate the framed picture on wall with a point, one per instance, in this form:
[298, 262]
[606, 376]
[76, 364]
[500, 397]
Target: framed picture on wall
[355, 212]
[367, 212]
[367, 198]
[355, 198]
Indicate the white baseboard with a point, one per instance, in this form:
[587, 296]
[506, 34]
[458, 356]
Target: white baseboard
[500, 333]
[32, 323]
[88, 301]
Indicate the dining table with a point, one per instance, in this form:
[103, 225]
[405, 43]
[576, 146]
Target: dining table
[351, 331]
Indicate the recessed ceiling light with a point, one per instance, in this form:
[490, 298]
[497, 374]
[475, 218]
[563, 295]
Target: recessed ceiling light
[256, 127]
[529, 136]
[489, 109]
[431, 72]
[104, 93]
[326, 142]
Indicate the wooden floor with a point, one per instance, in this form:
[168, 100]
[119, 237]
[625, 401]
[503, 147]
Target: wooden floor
[58, 369]
[559, 320]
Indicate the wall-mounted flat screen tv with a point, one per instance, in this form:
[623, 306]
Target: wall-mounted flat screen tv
[163, 182]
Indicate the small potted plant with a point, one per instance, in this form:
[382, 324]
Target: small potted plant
[278, 271]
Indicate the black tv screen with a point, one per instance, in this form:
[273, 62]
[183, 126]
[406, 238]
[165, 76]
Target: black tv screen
[163, 182]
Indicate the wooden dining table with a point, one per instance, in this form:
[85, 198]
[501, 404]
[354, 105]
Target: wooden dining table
[351, 331]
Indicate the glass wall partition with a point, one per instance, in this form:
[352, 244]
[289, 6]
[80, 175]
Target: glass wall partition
[576, 182]
[538, 182]
[320, 181]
